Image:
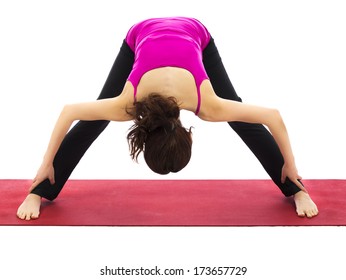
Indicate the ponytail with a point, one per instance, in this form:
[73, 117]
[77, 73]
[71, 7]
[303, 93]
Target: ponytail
[157, 131]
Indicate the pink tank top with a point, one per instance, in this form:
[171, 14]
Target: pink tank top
[172, 41]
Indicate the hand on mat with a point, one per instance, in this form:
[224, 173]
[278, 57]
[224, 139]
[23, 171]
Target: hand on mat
[46, 171]
[291, 172]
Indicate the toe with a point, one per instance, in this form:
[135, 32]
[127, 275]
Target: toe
[20, 215]
[301, 213]
[34, 216]
[311, 213]
[28, 217]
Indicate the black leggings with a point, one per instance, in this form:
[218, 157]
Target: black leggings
[84, 133]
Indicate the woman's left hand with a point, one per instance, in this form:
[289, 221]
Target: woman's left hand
[291, 172]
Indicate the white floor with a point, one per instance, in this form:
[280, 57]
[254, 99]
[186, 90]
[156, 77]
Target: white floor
[288, 55]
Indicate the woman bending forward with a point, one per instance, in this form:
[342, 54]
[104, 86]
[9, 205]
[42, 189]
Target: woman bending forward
[166, 65]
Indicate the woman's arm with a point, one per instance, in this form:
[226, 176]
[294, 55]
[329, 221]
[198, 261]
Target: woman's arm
[112, 109]
[217, 109]
[227, 110]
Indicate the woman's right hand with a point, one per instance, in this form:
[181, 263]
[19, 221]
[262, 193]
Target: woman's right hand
[46, 171]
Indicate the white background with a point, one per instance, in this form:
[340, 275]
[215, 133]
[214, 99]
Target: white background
[284, 54]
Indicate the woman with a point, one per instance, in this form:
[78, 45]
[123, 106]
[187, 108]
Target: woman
[166, 65]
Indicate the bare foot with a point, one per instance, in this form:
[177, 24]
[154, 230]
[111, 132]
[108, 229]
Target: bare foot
[304, 205]
[30, 208]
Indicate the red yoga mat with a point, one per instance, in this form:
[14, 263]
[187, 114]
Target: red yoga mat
[176, 203]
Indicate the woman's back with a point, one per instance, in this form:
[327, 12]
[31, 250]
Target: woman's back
[168, 42]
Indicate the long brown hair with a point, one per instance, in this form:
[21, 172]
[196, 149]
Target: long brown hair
[159, 134]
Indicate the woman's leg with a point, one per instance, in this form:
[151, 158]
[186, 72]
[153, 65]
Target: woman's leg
[84, 133]
[255, 136]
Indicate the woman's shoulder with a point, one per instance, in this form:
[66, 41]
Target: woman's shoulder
[127, 94]
[209, 100]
